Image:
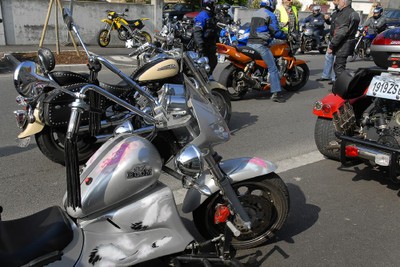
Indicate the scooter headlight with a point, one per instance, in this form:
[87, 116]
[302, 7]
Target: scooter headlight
[189, 161]
[221, 130]
[110, 17]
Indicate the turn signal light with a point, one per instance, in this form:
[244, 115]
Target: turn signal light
[221, 214]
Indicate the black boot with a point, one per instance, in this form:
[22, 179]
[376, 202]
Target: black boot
[277, 97]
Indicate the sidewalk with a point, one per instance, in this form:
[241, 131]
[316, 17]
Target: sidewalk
[116, 54]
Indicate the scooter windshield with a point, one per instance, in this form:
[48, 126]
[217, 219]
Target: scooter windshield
[213, 128]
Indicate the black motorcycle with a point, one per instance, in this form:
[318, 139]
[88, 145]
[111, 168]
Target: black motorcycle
[308, 42]
[175, 34]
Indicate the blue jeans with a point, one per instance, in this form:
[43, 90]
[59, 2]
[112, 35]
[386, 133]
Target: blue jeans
[268, 58]
[328, 72]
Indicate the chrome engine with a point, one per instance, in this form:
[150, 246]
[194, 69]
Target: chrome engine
[380, 122]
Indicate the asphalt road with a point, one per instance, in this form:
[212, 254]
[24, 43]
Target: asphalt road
[338, 217]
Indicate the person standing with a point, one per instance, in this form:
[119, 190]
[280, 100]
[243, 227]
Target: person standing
[343, 40]
[288, 17]
[327, 73]
[205, 33]
[265, 19]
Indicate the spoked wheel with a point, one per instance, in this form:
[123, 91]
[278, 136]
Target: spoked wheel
[228, 78]
[51, 143]
[223, 103]
[266, 201]
[296, 80]
[104, 38]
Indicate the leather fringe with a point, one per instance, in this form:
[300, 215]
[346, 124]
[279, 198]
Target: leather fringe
[73, 179]
[94, 115]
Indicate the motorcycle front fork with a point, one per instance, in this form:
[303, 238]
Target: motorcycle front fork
[221, 179]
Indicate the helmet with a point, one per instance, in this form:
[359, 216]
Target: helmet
[316, 9]
[226, 7]
[270, 4]
[377, 12]
[209, 4]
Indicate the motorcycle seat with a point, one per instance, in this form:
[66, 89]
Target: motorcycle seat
[67, 77]
[43, 234]
[250, 52]
[116, 89]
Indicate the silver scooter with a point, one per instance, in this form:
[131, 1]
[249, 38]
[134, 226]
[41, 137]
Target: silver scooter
[117, 213]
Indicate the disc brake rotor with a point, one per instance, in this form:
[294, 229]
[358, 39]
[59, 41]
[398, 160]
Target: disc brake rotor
[260, 211]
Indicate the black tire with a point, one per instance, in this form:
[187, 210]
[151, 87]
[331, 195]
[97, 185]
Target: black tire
[297, 83]
[228, 79]
[51, 143]
[103, 39]
[223, 103]
[266, 200]
[324, 135]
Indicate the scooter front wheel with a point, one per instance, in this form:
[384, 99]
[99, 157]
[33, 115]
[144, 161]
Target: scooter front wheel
[103, 38]
[266, 201]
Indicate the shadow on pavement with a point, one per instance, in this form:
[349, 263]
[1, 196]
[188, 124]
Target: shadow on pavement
[302, 216]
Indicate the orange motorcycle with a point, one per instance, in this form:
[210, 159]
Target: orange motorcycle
[248, 71]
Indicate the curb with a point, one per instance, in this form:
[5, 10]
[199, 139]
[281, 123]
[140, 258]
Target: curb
[71, 67]
[15, 62]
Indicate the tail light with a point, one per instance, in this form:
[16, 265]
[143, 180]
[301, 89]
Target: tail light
[380, 39]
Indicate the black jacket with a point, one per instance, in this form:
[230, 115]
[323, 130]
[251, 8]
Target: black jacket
[345, 28]
[331, 22]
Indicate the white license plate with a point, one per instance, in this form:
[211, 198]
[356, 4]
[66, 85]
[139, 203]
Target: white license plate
[385, 86]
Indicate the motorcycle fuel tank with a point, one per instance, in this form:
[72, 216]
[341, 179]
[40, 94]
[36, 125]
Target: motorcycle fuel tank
[157, 70]
[122, 167]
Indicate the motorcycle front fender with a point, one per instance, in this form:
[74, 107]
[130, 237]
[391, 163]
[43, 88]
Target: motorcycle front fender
[108, 21]
[32, 128]
[239, 169]
[216, 85]
[334, 102]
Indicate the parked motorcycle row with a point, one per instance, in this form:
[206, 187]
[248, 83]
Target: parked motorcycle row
[115, 141]
[115, 210]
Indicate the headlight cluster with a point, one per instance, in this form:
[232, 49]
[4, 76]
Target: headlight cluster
[110, 17]
[221, 130]
[203, 63]
[235, 28]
